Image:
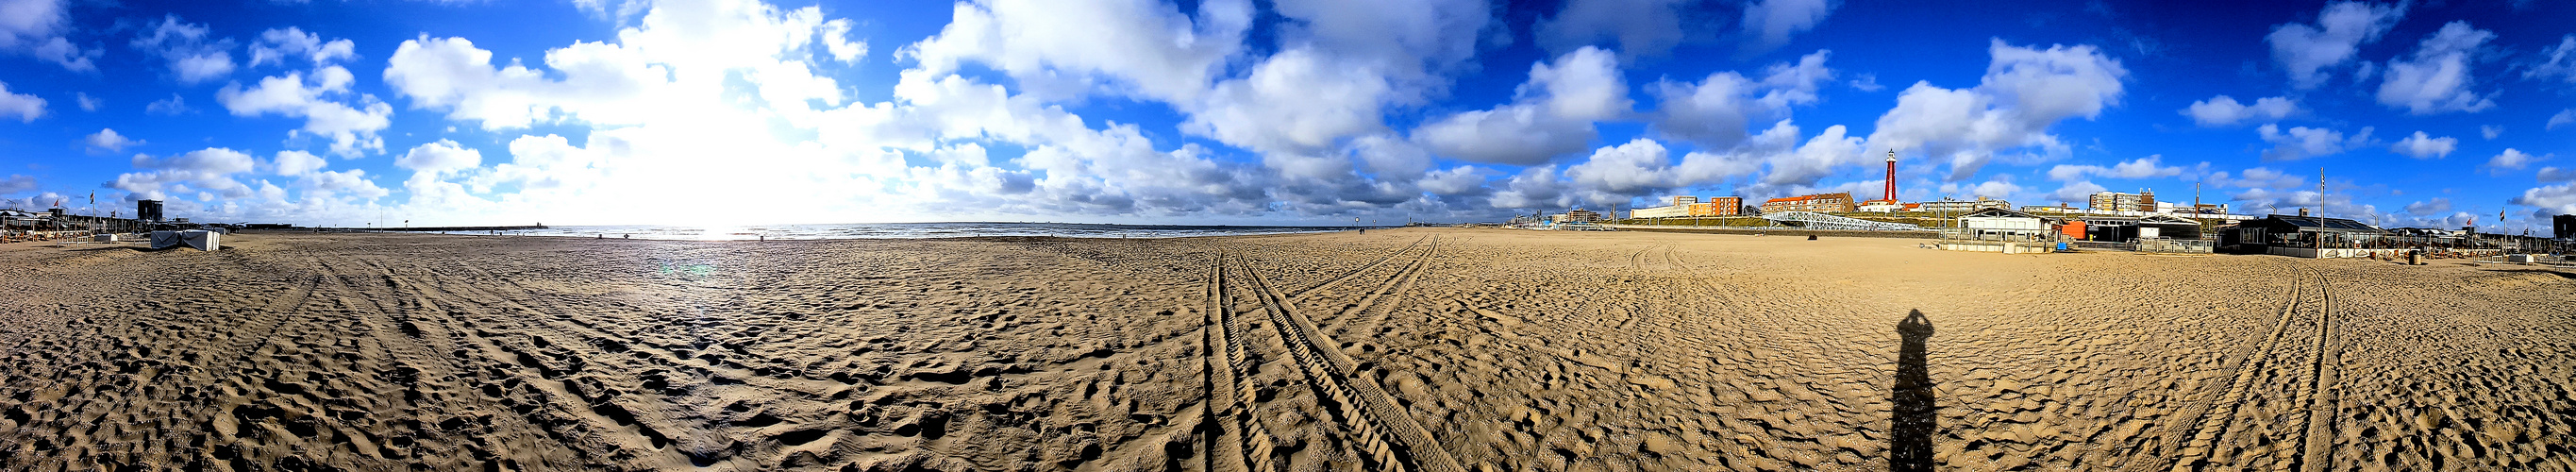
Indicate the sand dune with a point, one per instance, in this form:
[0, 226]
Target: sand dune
[1417, 349]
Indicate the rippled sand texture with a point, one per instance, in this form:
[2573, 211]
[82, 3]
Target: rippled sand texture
[1420, 349]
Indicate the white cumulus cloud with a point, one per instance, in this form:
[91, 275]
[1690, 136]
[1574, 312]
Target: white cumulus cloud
[1629, 168]
[2307, 51]
[2561, 63]
[2554, 174]
[1829, 151]
[2259, 177]
[2303, 142]
[107, 140]
[25, 21]
[1771, 22]
[431, 165]
[1553, 115]
[602, 83]
[675, 63]
[2225, 111]
[297, 163]
[2554, 199]
[2424, 146]
[207, 171]
[1343, 64]
[33, 27]
[14, 184]
[2140, 168]
[2437, 78]
[2076, 191]
[351, 129]
[1056, 49]
[2429, 207]
[26, 107]
[276, 45]
[836, 40]
[1298, 100]
[174, 106]
[1715, 111]
[1640, 27]
[191, 52]
[2512, 159]
[2024, 91]
[440, 156]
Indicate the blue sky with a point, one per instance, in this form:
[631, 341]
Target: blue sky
[735, 111]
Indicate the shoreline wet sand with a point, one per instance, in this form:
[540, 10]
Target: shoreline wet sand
[1423, 348]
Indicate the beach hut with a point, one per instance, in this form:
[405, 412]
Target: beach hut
[2002, 224]
[2121, 229]
[2109, 228]
[202, 240]
[2168, 227]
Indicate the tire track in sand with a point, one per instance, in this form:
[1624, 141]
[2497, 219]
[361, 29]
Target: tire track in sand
[2318, 451]
[1386, 431]
[251, 387]
[270, 318]
[226, 352]
[1731, 300]
[546, 399]
[1300, 294]
[430, 355]
[1226, 445]
[2212, 419]
[665, 429]
[1402, 281]
[1772, 370]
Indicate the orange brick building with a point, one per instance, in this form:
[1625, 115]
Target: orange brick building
[1718, 206]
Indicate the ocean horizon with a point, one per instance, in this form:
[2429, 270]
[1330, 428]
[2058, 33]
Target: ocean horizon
[909, 231]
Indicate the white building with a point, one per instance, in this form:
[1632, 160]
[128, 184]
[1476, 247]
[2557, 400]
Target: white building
[1577, 215]
[1963, 206]
[2143, 201]
[1668, 211]
[2002, 219]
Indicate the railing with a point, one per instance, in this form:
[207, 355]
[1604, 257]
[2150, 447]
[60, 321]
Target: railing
[22, 236]
[2544, 259]
[2190, 246]
[2102, 245]
[1994, 235]
[1813, 220]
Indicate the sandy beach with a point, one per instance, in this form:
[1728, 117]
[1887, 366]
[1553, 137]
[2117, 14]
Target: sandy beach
[1410, 349]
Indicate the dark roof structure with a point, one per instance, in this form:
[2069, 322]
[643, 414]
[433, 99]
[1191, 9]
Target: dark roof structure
[1999, 213]
[2166, 219]
[2317, 223]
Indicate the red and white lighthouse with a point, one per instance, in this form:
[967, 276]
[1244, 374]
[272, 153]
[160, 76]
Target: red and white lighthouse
[1891, 176]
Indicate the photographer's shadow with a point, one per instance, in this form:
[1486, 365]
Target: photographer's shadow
[1914, 417]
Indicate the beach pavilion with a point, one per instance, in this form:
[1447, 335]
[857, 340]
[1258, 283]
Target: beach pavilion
[2305, 232]
[1998, 224]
